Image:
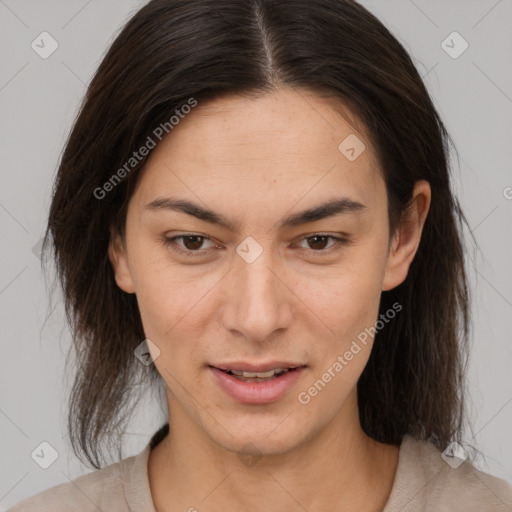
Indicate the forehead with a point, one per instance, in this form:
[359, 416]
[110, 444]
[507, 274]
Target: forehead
[287, 143]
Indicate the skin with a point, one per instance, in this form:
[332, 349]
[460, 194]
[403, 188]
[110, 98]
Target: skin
[255, 161]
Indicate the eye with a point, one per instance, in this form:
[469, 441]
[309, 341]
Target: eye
[191, 244]
[317, 243]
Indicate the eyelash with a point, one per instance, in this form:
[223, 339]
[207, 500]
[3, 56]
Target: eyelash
[169, 242]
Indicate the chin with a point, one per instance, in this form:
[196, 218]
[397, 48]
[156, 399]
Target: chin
[256, 437]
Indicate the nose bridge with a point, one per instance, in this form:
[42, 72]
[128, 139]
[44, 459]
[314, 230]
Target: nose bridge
[258, 303]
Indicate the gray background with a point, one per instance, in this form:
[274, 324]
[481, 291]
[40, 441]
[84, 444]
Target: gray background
[38, 101]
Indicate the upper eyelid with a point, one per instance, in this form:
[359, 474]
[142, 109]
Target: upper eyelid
[185, 235]
[302, 237]
[313, 233]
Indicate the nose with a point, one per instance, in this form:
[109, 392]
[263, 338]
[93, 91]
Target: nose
[259, 301]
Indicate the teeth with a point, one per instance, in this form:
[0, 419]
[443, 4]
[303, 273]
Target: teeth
[258, 375]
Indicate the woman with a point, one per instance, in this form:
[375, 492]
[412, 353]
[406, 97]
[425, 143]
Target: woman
[254, 209]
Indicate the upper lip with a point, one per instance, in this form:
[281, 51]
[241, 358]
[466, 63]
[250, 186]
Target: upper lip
[254, 367]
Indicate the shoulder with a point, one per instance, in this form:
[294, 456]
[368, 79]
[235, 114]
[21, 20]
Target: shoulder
[102, 489]
[426, 480]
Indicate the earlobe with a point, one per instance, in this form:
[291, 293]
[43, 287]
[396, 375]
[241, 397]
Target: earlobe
[119, 261]
[407, 237]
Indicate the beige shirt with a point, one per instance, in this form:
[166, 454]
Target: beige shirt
[423, 482]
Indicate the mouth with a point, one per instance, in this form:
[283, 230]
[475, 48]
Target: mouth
[257, 385]
[262, 376]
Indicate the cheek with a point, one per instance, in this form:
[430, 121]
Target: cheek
[347, 297]
[343, 351]
[167, 313]
[165, 292]
[349, 307]
[174, 305]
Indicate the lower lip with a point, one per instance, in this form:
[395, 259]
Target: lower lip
[257, 392]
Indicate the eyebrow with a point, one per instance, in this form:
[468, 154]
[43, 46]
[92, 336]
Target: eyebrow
[337, 206]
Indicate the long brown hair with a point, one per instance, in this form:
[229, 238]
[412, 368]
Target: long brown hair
[174, 50]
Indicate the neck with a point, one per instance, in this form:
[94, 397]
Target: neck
[339, 466]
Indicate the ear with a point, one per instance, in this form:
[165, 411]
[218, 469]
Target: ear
[407, 237]
[119, 260]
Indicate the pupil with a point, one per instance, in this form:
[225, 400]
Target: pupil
[197, 245]
[317, 237]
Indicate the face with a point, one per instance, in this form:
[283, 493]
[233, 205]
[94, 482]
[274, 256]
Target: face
[256, 283]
